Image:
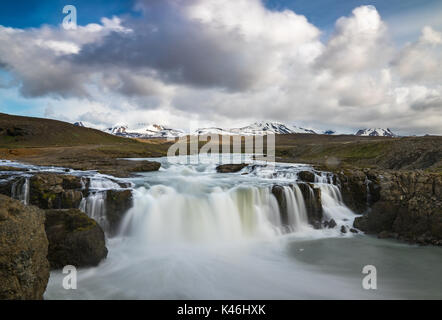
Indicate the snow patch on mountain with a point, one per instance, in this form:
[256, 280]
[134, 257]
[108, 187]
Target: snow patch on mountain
[144, 131]
[376, 132]
[257, 128]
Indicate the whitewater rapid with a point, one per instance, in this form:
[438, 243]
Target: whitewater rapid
[193, 233]
[197, 234]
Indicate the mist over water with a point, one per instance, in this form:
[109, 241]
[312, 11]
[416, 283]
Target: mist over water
[196, 234]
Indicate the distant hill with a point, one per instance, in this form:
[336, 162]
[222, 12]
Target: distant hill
[17, 131]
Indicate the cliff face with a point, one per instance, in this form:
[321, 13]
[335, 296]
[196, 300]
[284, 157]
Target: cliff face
[24, 268]
[406, 205]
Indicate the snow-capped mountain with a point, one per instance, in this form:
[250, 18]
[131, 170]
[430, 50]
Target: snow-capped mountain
[257, 128]
[376, 132]
[263, 128]
[213, 130]
[158, 131]
[144, 131]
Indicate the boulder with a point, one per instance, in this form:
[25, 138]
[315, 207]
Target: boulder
[231, 168]
[330, 224]
[55, 191]
[74, 239]
[24, 268]
[306, 176]
[118, 202]
[145, 166]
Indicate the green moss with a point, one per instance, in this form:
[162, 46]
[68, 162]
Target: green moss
[49, 196]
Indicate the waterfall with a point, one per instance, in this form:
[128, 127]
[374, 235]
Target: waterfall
[333, 205]
[94, 206]
[20, 190]
[163, 214]
[296, 209]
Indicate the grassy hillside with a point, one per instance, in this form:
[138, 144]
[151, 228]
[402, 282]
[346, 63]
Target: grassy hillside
[389, 153]
[51, 142]
[16, 131]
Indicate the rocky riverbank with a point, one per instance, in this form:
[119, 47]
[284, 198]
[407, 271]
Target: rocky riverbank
[405, 205]
[24, 268]
[50, 232]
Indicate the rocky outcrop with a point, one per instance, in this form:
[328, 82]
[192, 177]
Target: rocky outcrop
[74, 239]
[118, 202]
[24, 268]
[278, 192]
[12, 169]
[359, 189]
[306, 176]
[55, 191]
[406, 205]
[330, 224]
[231, 168]
[145, 166]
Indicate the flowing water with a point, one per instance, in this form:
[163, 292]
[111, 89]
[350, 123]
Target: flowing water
[193, 233]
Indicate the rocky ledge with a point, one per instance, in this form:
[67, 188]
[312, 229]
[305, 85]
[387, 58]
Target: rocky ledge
[55, 191]
[24, 268]
[118, 202]
[230, 168]
[406, 205]
[74, 239]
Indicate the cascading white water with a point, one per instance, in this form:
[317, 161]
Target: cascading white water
[99, 183]
[94, 206]
[333, 206]
[296, 210]
[184, 239]
[161, 214]
[190, 229]
[20, 190]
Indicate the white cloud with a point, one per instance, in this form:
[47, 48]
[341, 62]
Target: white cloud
[227, 63]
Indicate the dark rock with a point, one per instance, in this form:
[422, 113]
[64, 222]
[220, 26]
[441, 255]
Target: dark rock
[278, 192]
[55, 191]
[24, 268]
[306, 176]
[405, 204]
[13, 169]
[385, 235]
[352, 230]
[330, 224]
[343, 229]
[145, 166]
[74, 239]
[118, 202]
[230, 168]
[355, 190]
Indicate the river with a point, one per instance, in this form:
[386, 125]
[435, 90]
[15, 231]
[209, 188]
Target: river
[197, 234]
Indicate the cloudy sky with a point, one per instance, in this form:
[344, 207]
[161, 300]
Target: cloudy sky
[323, 64]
